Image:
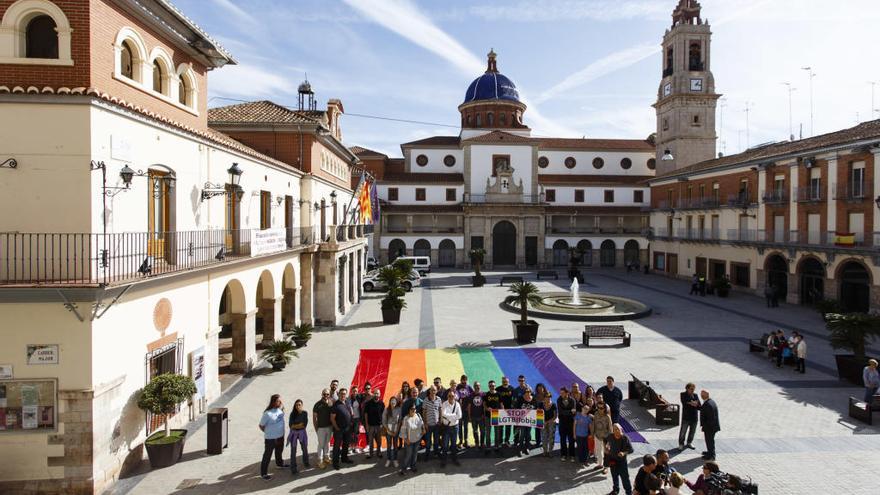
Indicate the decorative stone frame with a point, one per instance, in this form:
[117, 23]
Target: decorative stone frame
[13, 31]
[139, 65]
[185, 75]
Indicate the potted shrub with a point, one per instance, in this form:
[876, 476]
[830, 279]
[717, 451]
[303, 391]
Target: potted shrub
[721, 286]
[161, 397]
[302, 333]
[525, 331]
[828, 306]
[852, 332]
[393, 303]
[477, 256]
[279, 353]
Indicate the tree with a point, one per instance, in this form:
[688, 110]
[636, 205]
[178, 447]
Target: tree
[477, 255]
[164, 393]
[852, 331]
[525, 294]
[393, 276]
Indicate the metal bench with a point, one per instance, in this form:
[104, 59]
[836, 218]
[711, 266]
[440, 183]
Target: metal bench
[862, 411]
[665, 414]
[759, 345]
[548, 274]
[605, 332]
[509, 280]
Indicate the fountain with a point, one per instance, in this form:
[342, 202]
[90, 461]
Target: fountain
[583, 306]
[575, 292]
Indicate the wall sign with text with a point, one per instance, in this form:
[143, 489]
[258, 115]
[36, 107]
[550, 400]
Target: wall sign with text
[42, 354]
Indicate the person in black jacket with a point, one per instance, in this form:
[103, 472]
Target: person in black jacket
[340, 418]
[709, 422]
[612, 396]
[299, 420]
[690, 408]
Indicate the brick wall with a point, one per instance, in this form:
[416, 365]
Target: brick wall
[728, 185]
[774, 209]
[810, 208]
[77, 12]
[866, 204]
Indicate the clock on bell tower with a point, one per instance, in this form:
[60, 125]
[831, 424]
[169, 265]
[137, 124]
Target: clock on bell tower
[686, 97]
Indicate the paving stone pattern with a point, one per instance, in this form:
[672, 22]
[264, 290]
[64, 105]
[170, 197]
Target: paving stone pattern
[789, 432]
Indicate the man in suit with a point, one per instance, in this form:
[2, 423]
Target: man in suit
[710, 424]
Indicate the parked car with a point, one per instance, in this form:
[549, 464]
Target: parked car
[371, 282]
[372, 264]
[421, 263]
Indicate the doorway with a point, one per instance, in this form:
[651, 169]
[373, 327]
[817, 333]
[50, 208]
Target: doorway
[812, 281]
[446, 254]
[504, 244]
[776, 268]
[855, 288]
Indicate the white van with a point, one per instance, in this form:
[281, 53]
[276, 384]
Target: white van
[421, 264]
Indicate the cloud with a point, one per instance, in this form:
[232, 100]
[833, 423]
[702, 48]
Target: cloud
[602, 67]
[250, 82]
[237, 11]
[572, 10]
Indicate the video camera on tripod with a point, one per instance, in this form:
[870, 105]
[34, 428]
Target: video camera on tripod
[730, 484]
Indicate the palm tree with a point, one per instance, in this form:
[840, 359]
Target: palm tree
[525, 294]
[852, 331]
[392, 276]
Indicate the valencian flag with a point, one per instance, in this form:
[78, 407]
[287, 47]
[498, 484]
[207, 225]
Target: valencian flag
[365, 202]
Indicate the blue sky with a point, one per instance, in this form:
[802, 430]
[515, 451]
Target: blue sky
[585, 67]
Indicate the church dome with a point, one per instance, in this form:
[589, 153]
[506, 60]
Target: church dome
[492, 85]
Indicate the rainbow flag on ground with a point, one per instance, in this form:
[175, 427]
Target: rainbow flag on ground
[386, 369]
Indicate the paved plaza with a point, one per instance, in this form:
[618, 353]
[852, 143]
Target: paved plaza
[788, 431]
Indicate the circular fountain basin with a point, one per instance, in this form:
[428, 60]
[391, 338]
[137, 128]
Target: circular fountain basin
[591, 307]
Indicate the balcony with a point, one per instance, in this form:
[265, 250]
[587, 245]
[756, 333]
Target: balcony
[776, 197]
[79, 259]
[810, 194]
[856, 191]
[439, 229]
[742, 199]
[700, 204]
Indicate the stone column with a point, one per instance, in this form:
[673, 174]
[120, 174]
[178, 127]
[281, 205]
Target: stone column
[270, 313]
[792, 201]
[289, 308]
[306, 295]
[520, 243]
[831, 213]
[244, 342]
[794, 291]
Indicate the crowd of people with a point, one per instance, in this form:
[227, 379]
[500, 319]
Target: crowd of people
[423, 422]
[783, 350]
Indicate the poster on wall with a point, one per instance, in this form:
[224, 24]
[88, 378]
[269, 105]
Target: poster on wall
[2, 395]
[5, 371]
[30, 395]
[197, 370]
[268, 241]
[42, 354]
[29, 417]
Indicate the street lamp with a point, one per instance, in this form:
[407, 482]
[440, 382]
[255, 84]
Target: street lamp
[127, 173]
[333, 197]
[667, 156]
[234, 174]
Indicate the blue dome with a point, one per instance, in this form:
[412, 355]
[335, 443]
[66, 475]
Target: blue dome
[492, 86]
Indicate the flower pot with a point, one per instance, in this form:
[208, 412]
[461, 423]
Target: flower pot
[390, 316]
[850, 369]
[278, 365]
[478, 281]
[525, 333]
[163, 451]
[300, 342]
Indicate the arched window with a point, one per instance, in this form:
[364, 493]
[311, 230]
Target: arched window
[159, 75]
[490, 119]
[502, 119]
[479, 121]
[181, 91]
[669, 60]
[126, 60]
[41, 40]
[695, 57]
[468, 120]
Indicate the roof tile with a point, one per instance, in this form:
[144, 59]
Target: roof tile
[260, 112]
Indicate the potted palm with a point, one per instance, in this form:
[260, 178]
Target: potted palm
[279, 353]
[161, 397]
[477, 255]
[525, 331]
[826, 307]
[852, 332]
[302, 333]
[393, 303]
[721, 286]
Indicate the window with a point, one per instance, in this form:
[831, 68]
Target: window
[181, 92]
[265, 210]
[450, 194]
[779, 186]
[609, 195]
[449, 160]
[126, 60]
[695, 56]
[421, 160]
[638, 196]
[490, 119]
[626, 163]
[598, 163]
[689, 194]
[479, 121]
[499, 161]
[570, 162]
[669, 60]
[502, 119]
[550, 195]
[578, 195]
[420, 194]
[652, 163]
[159, 76]
[468, 120]
[743, 194]
[815, 190]
[716, 192]
[41, 40]
[857, 180]
[696, 121]
[665, 124]
[392, 194]
[669, 195]
[543, 162]
[702, 192]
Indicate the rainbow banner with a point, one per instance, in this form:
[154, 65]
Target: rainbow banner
[387, 369]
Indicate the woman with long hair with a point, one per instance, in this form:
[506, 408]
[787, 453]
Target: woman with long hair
[299, 419]
[391, 427]
[540, 392]
[272, 426]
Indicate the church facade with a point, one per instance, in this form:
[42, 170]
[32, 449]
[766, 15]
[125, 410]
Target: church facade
[526, 200]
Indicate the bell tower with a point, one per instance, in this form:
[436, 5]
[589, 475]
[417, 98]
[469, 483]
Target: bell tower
[686, 97]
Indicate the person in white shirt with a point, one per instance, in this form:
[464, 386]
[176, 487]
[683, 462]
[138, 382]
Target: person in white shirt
[411, 430]
[800, 352]
[450, 415]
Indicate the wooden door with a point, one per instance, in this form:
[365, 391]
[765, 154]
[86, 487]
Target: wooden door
[158, 213]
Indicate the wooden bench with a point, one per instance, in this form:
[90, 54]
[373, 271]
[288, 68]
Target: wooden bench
[759, 345]
[665, 414]
[548, 274]
[605, 332]
[862, 411]
[509, 280]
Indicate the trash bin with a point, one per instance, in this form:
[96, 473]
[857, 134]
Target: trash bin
[218, 430]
